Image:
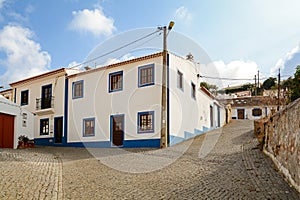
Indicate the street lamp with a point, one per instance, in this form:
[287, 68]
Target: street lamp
[164, 133]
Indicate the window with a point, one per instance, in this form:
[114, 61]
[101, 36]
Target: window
[88, 127]
[24, 98]
[44, 127]
[179, 80]
[256, 112]
[77, 89]
[146, 122]
[193, 90]
[116, 81]
[146, 75]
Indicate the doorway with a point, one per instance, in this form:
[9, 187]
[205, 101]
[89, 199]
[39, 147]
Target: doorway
[46, 96]
[58, 129]
[6, 131]
[241, 113]
[117, 130]
[211, 116]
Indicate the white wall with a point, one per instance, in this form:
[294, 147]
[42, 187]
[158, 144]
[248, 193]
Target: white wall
[98, 103]
[187, 113]
[35, 90]
[22, 126]
[248, 111]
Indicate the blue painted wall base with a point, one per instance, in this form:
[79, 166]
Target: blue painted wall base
[147, 143]
[187, 135]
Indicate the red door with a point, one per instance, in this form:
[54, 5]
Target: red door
[241, 113]
[6, 131]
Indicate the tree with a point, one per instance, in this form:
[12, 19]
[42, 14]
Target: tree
[204, 84]
[269, 83]
[245, 87]
[212, 88]
[295, 90]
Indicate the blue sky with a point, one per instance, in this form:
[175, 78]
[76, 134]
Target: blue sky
[240, 37]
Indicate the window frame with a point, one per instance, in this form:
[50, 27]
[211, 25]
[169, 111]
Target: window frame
[193, 90]
[84, 127]
[254, 110]
[111, 75]
[139, 122]
[73, 89]
[140, 73]
[21, 101]
[180, 80]
[42, 127]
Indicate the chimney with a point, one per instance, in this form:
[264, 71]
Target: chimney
[190, 57]
[87, 68]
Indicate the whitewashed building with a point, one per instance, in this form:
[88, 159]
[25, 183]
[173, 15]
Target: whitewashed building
[254, 107]
[44, 95]
[120, 104]
[14, 121]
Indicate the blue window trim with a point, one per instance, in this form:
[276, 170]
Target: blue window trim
[24, 104]
[111, 128]
[73, 88]
[181, 88]
[153, 75]
[41, 126]
[138, 121]
[83, 126]
[193, 84]
[109, 80]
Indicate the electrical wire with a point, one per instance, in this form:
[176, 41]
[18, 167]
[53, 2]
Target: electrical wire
[133, 48]
[237, 79]
[117, 49]
[230, 79]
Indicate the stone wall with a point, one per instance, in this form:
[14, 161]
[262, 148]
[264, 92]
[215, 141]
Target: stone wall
[281, 141]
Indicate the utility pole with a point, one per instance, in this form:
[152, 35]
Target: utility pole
[255, 88]
[278, 106]
[258, 78]
[164, 98]
[258, 86]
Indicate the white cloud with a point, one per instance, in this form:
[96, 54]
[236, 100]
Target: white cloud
[23, 56]
[117, 60]
[183, 14]
[282, 61]
[93, 21]
[74, 64]
[237, 69]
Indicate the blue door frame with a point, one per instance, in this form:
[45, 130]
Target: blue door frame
[112, 117]
[56, 130]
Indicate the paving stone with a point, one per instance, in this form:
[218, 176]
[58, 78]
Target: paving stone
[232, 168]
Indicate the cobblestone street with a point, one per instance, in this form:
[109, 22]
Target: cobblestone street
[229, 166]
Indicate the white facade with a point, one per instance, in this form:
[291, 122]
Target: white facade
[8, 94]
[119, 105]
[247, 112]
[45, 96]
[188, 116]
[23, 119]
[100, 104]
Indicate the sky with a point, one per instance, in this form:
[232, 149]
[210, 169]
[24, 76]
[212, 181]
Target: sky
[239, 37]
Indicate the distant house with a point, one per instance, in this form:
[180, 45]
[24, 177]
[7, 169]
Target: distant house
[14, 121]
[253, 107]
[119, 105]
[7, 94]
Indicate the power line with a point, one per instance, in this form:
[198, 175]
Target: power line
[117, 49]
[236, 79]
[230, 79]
